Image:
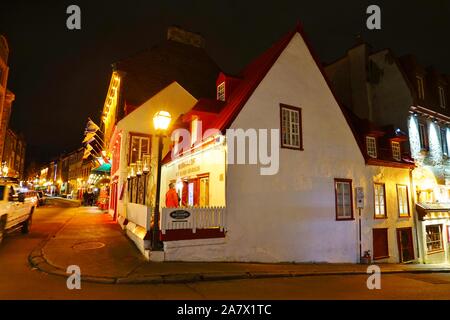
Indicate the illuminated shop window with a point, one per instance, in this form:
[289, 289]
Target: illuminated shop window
[434, 238]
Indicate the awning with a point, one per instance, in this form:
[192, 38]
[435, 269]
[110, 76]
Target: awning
[435, 210]
[104, 168]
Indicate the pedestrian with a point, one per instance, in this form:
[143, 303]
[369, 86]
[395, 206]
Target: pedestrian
[85, 199]
[171, 197]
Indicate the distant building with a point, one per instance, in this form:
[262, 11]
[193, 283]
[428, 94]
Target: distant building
[14, 154]
[6, 96]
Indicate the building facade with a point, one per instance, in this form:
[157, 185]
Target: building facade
[302, 207]
[6, 96]
[14, 154]
[399, 91]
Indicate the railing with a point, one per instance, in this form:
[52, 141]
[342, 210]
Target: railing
[193, 218]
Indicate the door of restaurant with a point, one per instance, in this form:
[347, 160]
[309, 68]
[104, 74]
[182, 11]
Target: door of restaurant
[405, 244]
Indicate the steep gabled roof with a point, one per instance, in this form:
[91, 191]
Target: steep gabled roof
[255, 72]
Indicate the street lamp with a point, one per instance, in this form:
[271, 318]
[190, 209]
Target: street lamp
[145, 171]
[161, 121]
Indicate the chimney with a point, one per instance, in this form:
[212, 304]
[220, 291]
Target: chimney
[178, 34]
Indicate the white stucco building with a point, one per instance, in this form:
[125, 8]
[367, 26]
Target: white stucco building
[305, 211]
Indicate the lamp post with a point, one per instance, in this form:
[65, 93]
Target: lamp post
[132, 176]
[161, 121]
[145, 171]
[138, 174]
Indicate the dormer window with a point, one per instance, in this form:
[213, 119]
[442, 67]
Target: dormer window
[396, 151]
[371, 146]
[442, 97]
[221, 91]
[420, 88]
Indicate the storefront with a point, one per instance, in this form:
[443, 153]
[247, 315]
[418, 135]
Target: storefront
[199, 176]
[433, 214]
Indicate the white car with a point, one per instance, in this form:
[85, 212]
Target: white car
[16, 209]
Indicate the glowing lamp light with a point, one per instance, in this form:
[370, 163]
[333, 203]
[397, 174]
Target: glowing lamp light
[161, 120]
[5, 170]
[133, 170]
[146, 163]
[139, 168]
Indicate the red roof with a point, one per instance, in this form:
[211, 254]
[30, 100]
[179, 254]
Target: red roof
[252, 75]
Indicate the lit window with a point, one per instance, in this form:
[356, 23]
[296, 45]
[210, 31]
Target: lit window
[221, 92]
[420, 88]
[380, 200]
[371, 145]
[442, 98]
[343, 194]
[291, 127]
[423, 136]
[402, 197]
[434, 237]
[396, 152]
[140, 145]
[444, 144]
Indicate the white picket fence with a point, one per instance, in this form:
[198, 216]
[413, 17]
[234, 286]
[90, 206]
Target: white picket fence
[193, 218]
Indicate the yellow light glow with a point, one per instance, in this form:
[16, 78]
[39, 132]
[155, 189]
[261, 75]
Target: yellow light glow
[161, 120]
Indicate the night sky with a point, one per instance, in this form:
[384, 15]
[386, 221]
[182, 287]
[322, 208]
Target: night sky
[60, 77]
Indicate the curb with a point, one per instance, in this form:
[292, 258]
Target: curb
[38, 260]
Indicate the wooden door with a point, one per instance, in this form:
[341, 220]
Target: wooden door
[405, 244]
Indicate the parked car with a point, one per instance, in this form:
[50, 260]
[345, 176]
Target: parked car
[16, 209]
[33, 196]
[41, 197]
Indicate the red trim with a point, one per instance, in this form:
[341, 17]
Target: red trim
[187, 234]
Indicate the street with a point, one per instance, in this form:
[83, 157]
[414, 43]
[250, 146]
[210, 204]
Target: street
[19, 281]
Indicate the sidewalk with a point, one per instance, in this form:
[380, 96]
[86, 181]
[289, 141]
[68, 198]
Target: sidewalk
[95, 243]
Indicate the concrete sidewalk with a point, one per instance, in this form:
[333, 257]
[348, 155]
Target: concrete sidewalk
[95, 243]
